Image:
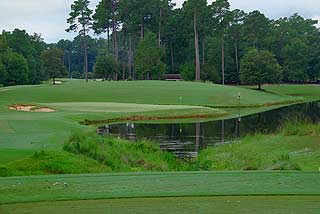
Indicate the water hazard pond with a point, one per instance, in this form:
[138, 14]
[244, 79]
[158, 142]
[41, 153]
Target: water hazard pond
[186, 139]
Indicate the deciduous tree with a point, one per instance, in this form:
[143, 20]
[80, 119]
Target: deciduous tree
[52, 63]
[148, 58]
[260, 67]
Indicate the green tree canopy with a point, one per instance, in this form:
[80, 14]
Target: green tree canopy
[260, 67]
[3, 74]
[148, 58]
[52, 63]
[17, 68]
[105, 66]
[296, 58]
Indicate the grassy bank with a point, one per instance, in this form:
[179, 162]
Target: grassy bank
[295, 147]
[90, 153]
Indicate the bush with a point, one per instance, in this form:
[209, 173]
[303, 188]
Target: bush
[76, 75]
[187, 71]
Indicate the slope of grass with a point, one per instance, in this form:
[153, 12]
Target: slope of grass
[310, 92]
[143, 92]
[221, 205]
[141, 185]
[121, 155]
[90, 153]
[43, 163]
[296, 147]
[8, 155]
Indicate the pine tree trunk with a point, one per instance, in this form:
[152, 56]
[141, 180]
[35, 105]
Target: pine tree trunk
[172, 59]
[69, 59]
[123, 71]
[237, 61]
[159, 30]
[85, 58]
[130, 57]
[85, 61]
[108, 25]
[222, 58]
[196, 46]
[203, 51]
[134, 75]
[142, 28]
[108, 36]
[116, 45]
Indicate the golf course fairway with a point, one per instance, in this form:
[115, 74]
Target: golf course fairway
[22, 133]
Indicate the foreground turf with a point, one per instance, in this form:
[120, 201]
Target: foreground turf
[221, 205]
[140, 185]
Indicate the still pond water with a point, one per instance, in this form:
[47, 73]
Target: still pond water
[186, 139]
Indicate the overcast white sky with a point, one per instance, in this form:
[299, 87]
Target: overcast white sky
[48, 17]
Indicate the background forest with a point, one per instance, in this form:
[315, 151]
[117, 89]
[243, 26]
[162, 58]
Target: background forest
[148, 38]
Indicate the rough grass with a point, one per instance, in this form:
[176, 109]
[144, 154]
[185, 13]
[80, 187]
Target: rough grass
[296, 147]
[43, 163]
[121, 155]
[90, 153]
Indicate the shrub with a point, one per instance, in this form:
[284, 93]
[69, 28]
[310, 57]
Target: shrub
[121, 155]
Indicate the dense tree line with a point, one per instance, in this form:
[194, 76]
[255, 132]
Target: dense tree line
[20, 58]
[147, 38]
[27, 59]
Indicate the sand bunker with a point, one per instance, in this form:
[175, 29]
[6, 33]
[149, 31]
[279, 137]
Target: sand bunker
[31, 108]
[56, 82]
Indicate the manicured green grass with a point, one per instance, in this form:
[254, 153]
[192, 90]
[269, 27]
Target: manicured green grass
[8, 155]
[296, 147]
[143, 92]
[22, 133]
[221, 205]
[311, 92]
[162, 184]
